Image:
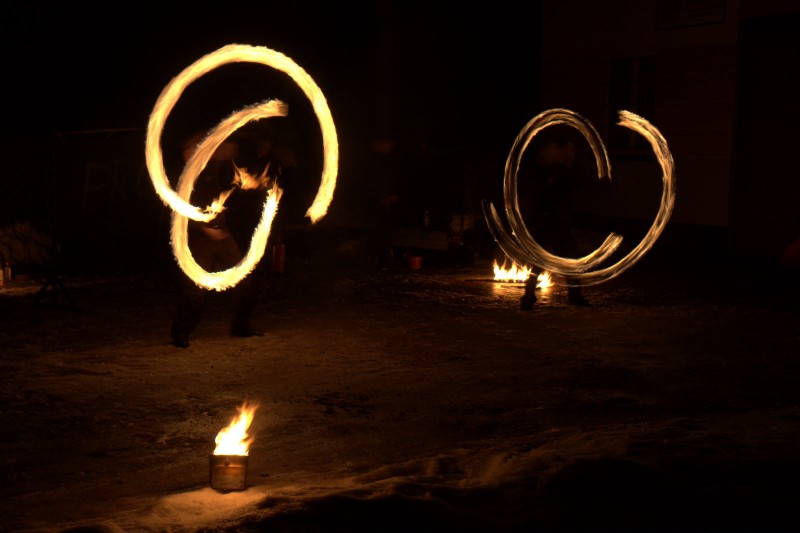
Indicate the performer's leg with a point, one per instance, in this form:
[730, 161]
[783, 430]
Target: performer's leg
[528, 299]
[228, 255]
[191, 297]
[243, 304]
[575, 294]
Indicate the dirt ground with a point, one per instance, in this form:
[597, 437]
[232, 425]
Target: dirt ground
[399, 400]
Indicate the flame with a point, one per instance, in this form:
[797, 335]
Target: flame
[544, 280]
[234, 440]
[520, 274]
[515, 273]
[218, 205]
[245, 180]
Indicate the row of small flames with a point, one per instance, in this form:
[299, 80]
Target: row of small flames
[520, 274]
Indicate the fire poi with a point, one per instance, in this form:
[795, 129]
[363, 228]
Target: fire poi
[228, 463]
[179, 201]
[521, 246]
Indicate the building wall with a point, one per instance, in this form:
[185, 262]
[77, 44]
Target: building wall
[694, 95]
[766, 179]
[724, 96]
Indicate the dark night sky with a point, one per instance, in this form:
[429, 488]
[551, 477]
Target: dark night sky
[453, 83]
[102, 66]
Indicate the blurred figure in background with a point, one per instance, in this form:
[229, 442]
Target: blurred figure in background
[382, 176]
[545, 194]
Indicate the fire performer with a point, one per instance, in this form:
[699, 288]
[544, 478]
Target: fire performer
[214, 246]
[549, 215]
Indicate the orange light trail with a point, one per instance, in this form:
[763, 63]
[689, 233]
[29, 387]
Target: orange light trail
[179, 201]
[521, 246]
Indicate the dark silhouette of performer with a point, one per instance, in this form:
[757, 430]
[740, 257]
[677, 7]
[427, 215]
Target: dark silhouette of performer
[214, 247]
[384, 196]
[546, 210]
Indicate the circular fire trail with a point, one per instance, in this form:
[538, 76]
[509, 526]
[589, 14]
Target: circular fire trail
[179, 201]
[521, 246]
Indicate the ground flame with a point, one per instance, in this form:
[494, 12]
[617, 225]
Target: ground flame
[520, 274]
[234, 440]
[544, 280]
[515, 273]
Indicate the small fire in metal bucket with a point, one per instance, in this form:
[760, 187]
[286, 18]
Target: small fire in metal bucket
[228, 463]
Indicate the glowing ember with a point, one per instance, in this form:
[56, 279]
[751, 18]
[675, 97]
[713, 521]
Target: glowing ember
[234, 440]
[179, 201]
[521, 247]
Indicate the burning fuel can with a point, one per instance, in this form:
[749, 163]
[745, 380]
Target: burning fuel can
[227, 472]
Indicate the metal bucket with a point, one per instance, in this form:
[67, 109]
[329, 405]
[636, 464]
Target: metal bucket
[227, 472]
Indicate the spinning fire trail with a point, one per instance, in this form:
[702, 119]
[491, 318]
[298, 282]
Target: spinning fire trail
[520, 245]
[179, 201]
